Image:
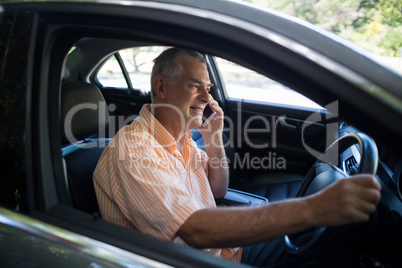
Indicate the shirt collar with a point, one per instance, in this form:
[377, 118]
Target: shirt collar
[157, 129]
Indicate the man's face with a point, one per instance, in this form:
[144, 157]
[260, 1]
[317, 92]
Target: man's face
[190, 92]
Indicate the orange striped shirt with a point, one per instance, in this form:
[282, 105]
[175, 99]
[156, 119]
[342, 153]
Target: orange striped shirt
[143, 182]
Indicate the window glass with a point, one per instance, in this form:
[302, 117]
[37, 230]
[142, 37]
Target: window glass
[138, 62]
[111, 75]
[242, 83]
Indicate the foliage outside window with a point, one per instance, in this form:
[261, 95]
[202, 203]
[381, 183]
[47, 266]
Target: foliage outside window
[375, 25]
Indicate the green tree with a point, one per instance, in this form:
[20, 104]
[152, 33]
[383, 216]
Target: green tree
[373, 24]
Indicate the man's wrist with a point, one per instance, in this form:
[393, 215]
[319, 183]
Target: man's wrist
[214, 140]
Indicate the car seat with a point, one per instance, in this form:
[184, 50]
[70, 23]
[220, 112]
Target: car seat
[84, 117]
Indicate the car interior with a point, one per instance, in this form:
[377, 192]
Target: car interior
[92, 135]
[108, 105]
[81, 85]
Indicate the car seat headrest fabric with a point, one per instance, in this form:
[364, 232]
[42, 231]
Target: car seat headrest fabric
[83, 111]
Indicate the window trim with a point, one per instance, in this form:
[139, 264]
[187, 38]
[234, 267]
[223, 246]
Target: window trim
[124, 70]
[93, 78]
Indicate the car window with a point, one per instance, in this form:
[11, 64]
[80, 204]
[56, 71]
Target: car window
[238, 79]
[111, 74]
[137, 61]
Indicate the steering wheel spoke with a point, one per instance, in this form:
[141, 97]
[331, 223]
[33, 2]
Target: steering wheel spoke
[324, 172]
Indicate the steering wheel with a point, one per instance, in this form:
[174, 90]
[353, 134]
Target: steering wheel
[324, 172]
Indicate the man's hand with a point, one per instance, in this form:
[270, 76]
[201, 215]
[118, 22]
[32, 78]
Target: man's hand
[218, 174]
[215, 126]
[345, 201]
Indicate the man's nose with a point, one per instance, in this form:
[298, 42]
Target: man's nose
[204, 95]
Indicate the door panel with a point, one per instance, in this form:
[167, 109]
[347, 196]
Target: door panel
[274, 136]
[273, 128]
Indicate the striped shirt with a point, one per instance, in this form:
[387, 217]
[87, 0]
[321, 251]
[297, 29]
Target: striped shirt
[143, 182]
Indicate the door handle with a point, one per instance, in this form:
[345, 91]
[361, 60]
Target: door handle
[283, 123]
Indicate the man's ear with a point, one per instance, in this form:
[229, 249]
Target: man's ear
[159, 86]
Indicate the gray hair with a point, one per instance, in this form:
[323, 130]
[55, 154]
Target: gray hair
[168, 64]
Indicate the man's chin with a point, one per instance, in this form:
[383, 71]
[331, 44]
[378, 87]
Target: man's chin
[196, 123]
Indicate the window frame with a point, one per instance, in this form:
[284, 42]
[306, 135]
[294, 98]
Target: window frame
[94, 75]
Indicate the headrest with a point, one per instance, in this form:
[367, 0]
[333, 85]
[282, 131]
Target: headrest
[83, 111]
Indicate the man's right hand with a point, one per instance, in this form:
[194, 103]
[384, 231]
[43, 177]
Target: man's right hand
[345, 201]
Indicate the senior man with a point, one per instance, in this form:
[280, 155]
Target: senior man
[154, 179]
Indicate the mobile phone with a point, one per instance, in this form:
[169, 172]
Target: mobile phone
[208, 115]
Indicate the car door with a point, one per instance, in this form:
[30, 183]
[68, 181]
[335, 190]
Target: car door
[41, 75]
[15, 26]
[274, 129]
[33, 180]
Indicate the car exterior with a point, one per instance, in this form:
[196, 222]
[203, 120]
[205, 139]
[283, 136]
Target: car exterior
[36, 39]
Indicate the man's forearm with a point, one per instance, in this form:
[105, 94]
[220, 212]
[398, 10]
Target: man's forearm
[243, 226]
[218, 171]
[344, 201]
